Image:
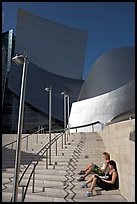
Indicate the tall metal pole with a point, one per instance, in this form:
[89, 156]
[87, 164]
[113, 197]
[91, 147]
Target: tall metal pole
[65, 118]
[64, 94]
[50, 125]
[20, 125]
[68, 114]
[49, 90]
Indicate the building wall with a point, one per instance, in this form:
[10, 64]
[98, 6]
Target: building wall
[116, 138]
[108, 91]
[37, 80]
[7, 53]
[111, 71]
[56, 57]
[54, 47]
[103, 108]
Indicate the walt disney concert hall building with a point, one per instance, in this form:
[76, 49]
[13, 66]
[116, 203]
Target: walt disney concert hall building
[108, 93]
[56, 55]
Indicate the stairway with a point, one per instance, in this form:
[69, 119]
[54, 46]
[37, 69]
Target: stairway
[59, 182]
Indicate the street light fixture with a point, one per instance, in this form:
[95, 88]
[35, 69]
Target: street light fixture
[21, 59]
[48, 89]
[64, 94]
[67, 96]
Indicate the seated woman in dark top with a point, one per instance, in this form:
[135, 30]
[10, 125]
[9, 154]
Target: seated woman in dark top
[95, 169]
[110, 182]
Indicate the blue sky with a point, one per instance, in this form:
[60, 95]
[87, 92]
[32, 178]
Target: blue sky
[109, 24]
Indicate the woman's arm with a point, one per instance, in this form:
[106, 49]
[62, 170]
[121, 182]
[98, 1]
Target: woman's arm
[103, 169]
[106, 165]
[114, 176]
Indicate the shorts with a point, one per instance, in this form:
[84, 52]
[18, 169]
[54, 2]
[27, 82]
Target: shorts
[103, 184]
[97, 171]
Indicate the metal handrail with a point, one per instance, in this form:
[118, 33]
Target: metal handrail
[35, 158]
[93, 123]
[47, 147]
[23, 137]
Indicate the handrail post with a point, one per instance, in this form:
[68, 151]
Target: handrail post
[42, 132]
[33, 180]
[27, 144]
[37, 137]
[62, 141]
[47, 159]
[92, 128]
[22, 192]
[67, 135]
[56, 147]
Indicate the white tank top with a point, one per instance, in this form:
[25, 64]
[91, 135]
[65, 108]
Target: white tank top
[103, 167]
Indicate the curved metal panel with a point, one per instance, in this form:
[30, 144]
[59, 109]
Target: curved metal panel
[37, 80]
[111, 71]
[54, 47]
[104, 107]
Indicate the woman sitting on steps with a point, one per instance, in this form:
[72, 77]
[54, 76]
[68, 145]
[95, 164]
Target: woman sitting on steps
[111, 181]
[95, 169]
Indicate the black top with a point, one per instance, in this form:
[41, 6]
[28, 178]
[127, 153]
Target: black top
[107, 186]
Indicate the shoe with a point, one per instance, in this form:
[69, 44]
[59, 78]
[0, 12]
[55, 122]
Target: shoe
[88, 194]
[81, 179]
[84, 185]
[81, 172]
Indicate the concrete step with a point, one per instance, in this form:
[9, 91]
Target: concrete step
[40, 171]
[59, 182]
[6, 197]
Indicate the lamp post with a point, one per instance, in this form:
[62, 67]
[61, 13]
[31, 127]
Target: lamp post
[21, 59]
[67, 96]
[64, 94]
[49, 90]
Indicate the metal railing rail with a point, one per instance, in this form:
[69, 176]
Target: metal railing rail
[33, 171]
[89, 124]
[37, 131]
[45, 148]
[56, 130]
[37, 155]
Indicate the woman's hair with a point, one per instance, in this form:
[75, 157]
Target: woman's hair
[107, 155]
[113, 163]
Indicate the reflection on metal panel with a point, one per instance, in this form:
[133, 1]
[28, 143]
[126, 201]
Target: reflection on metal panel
[54, 47]
[111, 71]
[104, 107]
[37, 80]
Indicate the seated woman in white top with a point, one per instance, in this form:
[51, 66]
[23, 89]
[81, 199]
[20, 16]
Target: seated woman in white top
[96, 169]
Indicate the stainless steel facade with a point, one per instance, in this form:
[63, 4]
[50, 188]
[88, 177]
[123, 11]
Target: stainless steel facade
[111, 71]
[54, 47]
[56, 58]
[37, 80]
[109, 90]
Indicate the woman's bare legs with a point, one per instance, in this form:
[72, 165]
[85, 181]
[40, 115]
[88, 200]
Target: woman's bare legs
[86, 172]
[90, 179]
[93, 184]
[88, 167]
